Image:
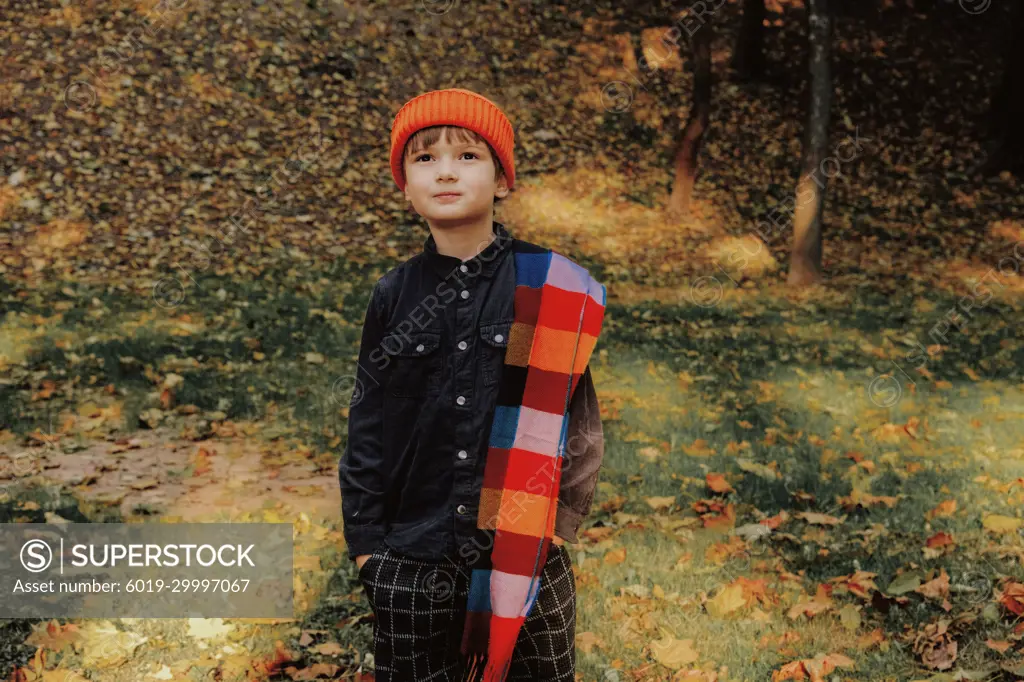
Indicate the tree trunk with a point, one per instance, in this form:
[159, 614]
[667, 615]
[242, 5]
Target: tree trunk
[1006, 115]
[748, 59]
[805, 260]
[692, 135]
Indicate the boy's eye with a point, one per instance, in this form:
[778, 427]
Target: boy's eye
[421, 156]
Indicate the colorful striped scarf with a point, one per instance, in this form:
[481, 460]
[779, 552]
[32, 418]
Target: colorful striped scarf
[558, 313]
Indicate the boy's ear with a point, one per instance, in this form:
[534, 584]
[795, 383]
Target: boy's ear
[501, 190]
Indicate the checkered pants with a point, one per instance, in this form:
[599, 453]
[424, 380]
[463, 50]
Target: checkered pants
[420, 609]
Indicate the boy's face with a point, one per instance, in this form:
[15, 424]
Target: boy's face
[465, 169]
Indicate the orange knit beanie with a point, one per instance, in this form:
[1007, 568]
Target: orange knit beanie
[458, 107]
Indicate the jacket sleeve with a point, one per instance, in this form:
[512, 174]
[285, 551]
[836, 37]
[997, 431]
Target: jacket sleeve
[584, 450]
[361, 471]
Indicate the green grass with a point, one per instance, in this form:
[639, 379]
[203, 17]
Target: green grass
[786, 385]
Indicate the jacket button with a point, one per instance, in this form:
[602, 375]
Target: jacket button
[499, 338]
[465, 293]
[463, 268]
[462, 345]
[461, 509]
[461, 400]
[463, 454]
[419, 348]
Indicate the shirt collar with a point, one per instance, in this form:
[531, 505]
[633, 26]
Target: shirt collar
[484, 263]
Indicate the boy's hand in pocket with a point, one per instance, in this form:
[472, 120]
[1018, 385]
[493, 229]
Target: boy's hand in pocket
[360, 560]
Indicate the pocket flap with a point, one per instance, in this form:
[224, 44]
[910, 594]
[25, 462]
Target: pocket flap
[496, 334]
[413, 344]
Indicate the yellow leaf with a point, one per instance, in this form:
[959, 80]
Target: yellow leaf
[208, 628]
[660, 502]
[674, 653]
[849, 617]
[650, 453]
[104, 646]
[729, 599]
[586, 641]
[699, 448]
[996, 523]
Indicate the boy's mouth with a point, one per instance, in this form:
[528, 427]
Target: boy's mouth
[448, 194]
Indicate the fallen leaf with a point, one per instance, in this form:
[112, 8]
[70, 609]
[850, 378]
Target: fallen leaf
[937, 588]
[936, 646]
[945, 508]
[586, 641]
[329, 649]
[673, 653]
[208, 628]
[52, 635]
[849, 618]
[660, 502]
[812, 606]
[813, 669]
[104, 646]
[873, 638]
[903, 583]
[313, 672]
[729, 599]
[996, 523]
[1001, 646]
[718, 484]
[820, 519]
[650, 453]
[1011, 596]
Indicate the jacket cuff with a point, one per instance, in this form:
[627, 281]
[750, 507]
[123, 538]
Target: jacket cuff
[363, 539]
[567, 522]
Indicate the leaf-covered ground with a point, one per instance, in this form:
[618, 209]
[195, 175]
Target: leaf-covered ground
[797, 485]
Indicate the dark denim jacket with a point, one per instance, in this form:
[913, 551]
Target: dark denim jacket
[426, 387]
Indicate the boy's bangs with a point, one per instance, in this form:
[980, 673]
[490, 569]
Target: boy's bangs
[422, 139]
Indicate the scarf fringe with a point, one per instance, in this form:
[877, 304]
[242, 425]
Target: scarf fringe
[474, 668]
[496, 671]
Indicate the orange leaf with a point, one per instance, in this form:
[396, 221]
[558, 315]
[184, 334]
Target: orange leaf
[820, 519]
[54, 636]
[813, 669]
[946, 508]
[810, 607]
[201, 461]
[1012, 597]
[873, 638]
[940, 540]
[718, 484]
[1000, 646]
[937, 588]
[271, 665]
[615, 556]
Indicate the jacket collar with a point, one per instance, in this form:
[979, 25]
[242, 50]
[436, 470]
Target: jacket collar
[484, 263]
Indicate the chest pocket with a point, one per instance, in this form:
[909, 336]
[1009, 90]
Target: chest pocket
[417, 364]
[493, 343]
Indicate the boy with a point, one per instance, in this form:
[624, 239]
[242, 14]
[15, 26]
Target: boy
[452, 493]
